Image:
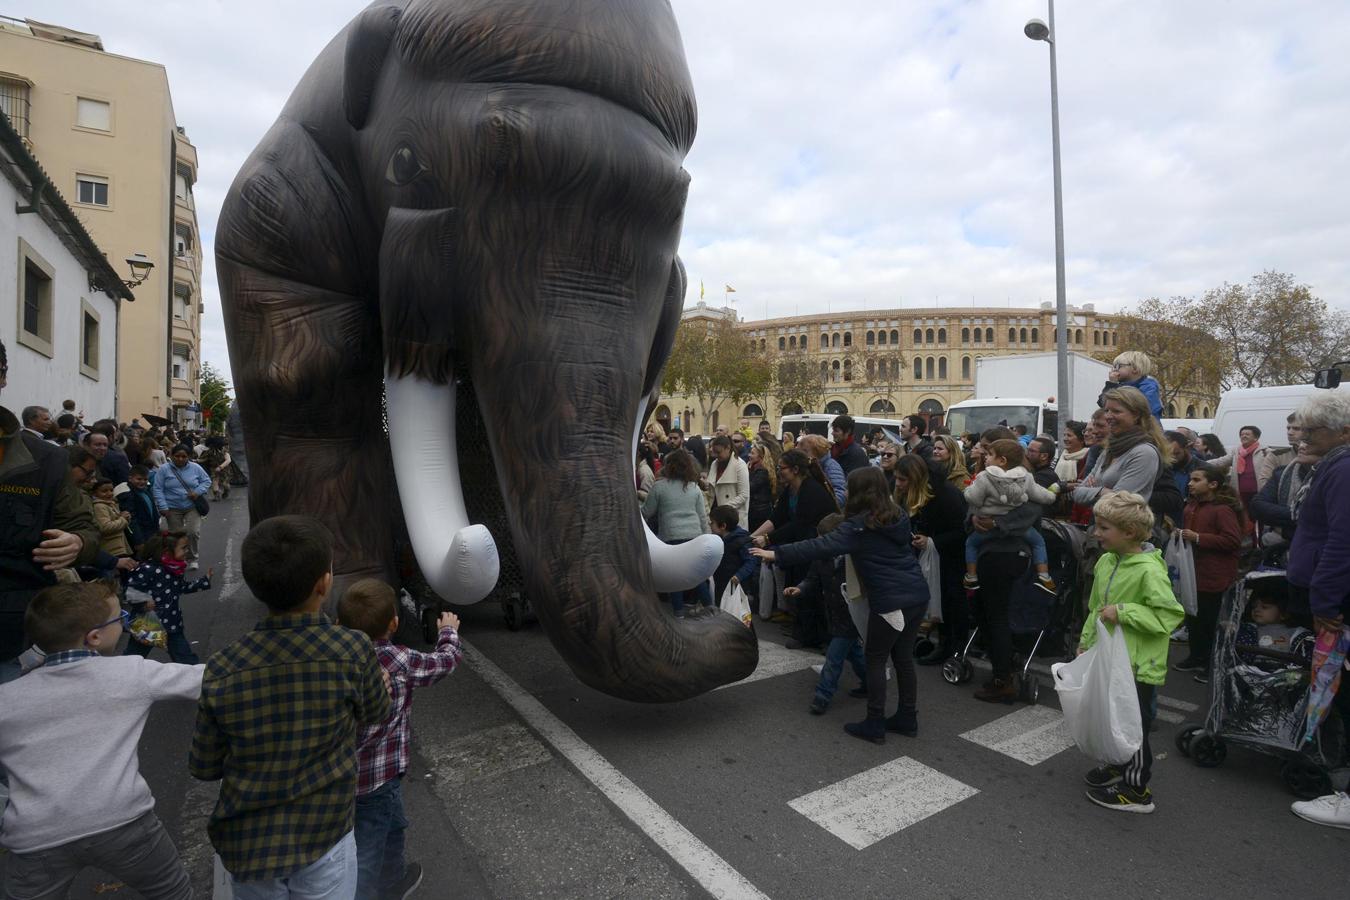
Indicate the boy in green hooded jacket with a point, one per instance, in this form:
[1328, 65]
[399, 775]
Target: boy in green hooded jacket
[1131, 590]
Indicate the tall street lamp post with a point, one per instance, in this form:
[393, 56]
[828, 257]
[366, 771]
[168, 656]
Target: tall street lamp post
[1040, 31]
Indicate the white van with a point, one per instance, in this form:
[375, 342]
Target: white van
[819, 423]
[1267, 408]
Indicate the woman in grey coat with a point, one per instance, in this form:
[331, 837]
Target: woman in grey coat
[1135, 450]
[681, 512]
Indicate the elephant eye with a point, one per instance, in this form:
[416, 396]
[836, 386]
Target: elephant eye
[404, 166]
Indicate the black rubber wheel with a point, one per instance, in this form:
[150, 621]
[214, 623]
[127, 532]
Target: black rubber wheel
[951, 670]
[1184, 738]
[429, 630]
[1208, 750]
[967, 670]
[512, 614]
[1031, 690]
[1305, 780]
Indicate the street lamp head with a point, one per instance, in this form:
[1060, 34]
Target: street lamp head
[1037, 30]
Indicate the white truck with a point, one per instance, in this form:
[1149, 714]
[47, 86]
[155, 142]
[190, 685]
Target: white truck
[1020, 390]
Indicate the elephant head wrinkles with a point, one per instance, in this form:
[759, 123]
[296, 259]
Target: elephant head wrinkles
[495, 192]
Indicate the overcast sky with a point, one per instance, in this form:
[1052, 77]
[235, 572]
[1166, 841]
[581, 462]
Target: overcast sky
[898, 154]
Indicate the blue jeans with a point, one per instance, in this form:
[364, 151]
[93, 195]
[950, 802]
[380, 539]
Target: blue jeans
[841, 649]
[380, 825]
[330, 877]
[700, 596]
[180, 651]
[1033, 538]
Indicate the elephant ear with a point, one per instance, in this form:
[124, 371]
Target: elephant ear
[367, 45]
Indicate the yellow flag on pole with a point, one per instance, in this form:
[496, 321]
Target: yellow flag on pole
[730, 289]
[700, 289]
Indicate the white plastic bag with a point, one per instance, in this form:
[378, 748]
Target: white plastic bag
[1098, 696]
[1180, 559]
[856, 599]
[734, 601]
[931, 567]
[768, 592]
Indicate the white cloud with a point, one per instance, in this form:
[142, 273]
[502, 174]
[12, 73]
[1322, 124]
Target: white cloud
[889, 153]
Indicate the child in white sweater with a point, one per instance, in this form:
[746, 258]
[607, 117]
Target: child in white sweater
[68, 737]
[1000, 488]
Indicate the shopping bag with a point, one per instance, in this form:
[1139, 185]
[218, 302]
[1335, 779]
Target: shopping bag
[768, 592]
[930, 565]
[734, 601]
[147, 629]
[855, 598]
[1098, 696]
[1180, 559]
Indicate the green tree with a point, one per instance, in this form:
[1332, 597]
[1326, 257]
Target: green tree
[798, 379]
[214, 392]
[1274, 330]
[709, 363]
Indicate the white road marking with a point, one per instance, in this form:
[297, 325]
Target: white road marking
[1173, 717]
[872, 805]
[775, 660]
[698, 859]
[1031, 735]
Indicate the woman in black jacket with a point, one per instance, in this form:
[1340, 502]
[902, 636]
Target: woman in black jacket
[804, 498]
[877, 537]
[763, 485]
[937, 512]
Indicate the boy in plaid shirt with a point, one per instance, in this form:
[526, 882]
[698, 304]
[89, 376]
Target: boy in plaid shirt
[277, 724]
[371, 607]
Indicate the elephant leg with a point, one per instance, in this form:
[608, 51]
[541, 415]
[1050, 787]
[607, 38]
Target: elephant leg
[305, 352]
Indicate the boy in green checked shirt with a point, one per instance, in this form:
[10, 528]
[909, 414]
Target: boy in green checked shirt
[277, 724]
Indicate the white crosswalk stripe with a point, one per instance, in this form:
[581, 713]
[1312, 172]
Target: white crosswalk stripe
[873, 805]
[1031, 735]
[775, 660]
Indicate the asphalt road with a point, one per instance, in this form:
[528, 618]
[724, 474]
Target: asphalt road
[524, 780]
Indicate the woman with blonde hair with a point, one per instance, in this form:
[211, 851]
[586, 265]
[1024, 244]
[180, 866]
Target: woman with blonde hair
[818, 448]
[1136, 452]
[938, 514]
[949, 459]
[763, 485]
[657, 435]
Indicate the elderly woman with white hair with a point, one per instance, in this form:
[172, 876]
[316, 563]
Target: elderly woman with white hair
[1131, 369]
[1319, 557]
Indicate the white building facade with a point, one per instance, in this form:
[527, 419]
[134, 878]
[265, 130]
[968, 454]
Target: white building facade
[59, 296]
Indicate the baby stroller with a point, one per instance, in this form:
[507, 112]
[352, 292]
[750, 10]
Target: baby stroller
[1259, 699]
[1038, 620]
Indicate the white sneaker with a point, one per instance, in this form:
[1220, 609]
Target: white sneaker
[1332, 810]
[1181, 635]
[192, 566]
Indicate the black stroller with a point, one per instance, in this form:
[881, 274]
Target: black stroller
[1259, 699]
[1038, 620]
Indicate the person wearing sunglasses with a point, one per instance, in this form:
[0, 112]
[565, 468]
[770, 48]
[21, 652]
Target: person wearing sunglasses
[69, 733]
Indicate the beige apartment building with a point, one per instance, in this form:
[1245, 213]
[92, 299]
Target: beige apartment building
[103, 128]
[893, 362]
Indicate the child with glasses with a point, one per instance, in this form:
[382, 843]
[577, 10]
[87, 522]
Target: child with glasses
[69, 732]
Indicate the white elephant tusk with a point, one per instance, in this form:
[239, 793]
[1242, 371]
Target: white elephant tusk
[676, 567]
[459, 559]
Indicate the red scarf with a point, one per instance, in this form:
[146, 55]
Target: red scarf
[173, 566]
[1244, 457]
[839, 447]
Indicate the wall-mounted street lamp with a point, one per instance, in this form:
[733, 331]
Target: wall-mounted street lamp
[140, 269]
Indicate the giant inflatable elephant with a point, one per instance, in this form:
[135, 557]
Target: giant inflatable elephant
[474, 205]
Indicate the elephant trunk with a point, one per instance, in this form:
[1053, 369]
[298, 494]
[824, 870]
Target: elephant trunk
[561, 436]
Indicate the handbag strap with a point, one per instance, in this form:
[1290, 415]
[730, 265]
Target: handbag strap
[179, 476]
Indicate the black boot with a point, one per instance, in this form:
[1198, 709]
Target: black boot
[905, 721]
[868, 729]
